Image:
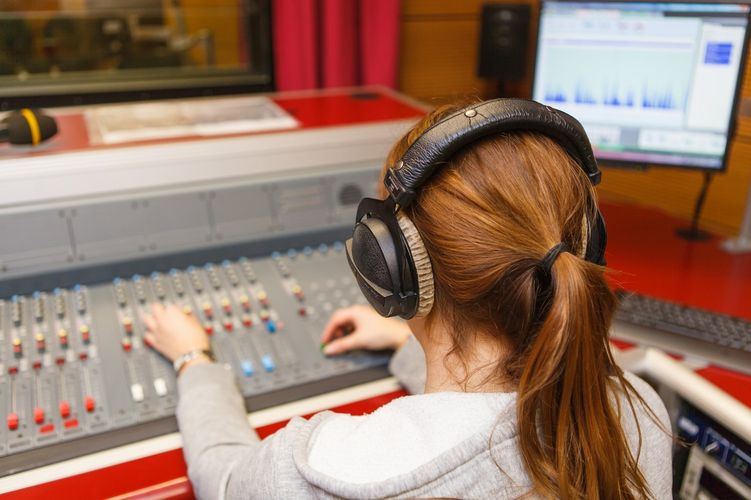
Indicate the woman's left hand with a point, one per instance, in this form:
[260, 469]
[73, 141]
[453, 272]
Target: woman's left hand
[174, 333]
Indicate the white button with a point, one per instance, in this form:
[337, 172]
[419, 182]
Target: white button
[136, 391]
[160, 386]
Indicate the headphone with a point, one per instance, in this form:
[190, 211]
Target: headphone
[387, 254]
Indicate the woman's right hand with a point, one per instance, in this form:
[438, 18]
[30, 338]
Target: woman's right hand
[360, 327]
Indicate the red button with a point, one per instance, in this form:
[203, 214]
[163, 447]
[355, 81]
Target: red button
[228, 325]
[45, 429]
[12, 421]
[38, 415]
[37, 364]
[60, 360]
[83, 356]
[247, 321]
[127, 344]
[302, 311]
[12, 370]
[208, 328]
[69, 424]
[89, 403]
[64, 409]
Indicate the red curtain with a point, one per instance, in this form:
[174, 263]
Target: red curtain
[335, 43]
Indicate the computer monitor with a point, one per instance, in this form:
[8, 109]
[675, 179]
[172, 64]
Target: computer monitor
[652, 83]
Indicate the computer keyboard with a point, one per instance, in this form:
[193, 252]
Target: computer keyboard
[718, 338]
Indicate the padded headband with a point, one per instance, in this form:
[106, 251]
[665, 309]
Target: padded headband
[445, 138]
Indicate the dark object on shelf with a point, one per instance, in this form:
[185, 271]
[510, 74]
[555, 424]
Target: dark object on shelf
[504, 42]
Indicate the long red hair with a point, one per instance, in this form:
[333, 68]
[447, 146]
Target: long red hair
[487, 219]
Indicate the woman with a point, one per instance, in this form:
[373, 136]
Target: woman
[506, 403]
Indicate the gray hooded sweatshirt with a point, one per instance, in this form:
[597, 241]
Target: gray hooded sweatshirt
[227, 459]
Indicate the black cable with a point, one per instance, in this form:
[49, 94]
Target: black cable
[693, 233]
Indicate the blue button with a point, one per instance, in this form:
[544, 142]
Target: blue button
[173, 272]
[338, 246]
[323, 248]
[291, 253]
[247, 367]
[307, 251]
[191, 269]
[57, 291]
[275, 255]
[271, 326]
[36, 294]
[268, 363]
[77, 287]
[226, 263]
[154, 275]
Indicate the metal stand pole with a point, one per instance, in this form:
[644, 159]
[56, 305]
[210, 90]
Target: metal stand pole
[742, 243]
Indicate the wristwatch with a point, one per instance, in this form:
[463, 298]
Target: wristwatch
[180, 362]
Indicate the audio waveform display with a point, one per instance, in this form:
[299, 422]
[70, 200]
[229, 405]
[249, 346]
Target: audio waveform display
[648, 98]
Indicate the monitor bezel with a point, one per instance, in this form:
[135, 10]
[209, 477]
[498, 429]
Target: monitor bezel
[732, 126]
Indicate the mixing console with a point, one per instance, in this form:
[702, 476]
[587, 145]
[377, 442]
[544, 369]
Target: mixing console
[77, 365]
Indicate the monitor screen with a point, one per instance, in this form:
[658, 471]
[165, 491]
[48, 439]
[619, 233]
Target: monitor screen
[652, 83]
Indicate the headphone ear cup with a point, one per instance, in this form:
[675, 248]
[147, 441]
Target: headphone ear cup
[421, 263]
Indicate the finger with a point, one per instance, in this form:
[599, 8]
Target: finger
[341, 345]
[340, 318]
[157, 310]
[149, 340]
[150, 322]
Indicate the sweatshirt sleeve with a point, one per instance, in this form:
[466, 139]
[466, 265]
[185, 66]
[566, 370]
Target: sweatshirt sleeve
[408, 366]
[214, 427]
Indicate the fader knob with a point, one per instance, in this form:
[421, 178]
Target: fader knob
[62, 336]
[226, 306]
[245, 302]
[127, 344]
[247, 321]
[228, 325]
[17, 347]
[38, 415]
[89, 404]
[39, 338]
[85, 334]
[128, 325]
[208, 311]
[12, 421]
[64, 409]
[208, 328]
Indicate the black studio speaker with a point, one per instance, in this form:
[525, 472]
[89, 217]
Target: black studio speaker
[503, 41]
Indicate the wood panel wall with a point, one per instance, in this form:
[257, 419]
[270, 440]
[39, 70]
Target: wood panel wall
[440, 40]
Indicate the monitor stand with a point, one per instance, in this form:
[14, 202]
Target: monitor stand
[693, 233]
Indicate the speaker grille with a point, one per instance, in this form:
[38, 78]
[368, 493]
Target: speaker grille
[350, 194]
